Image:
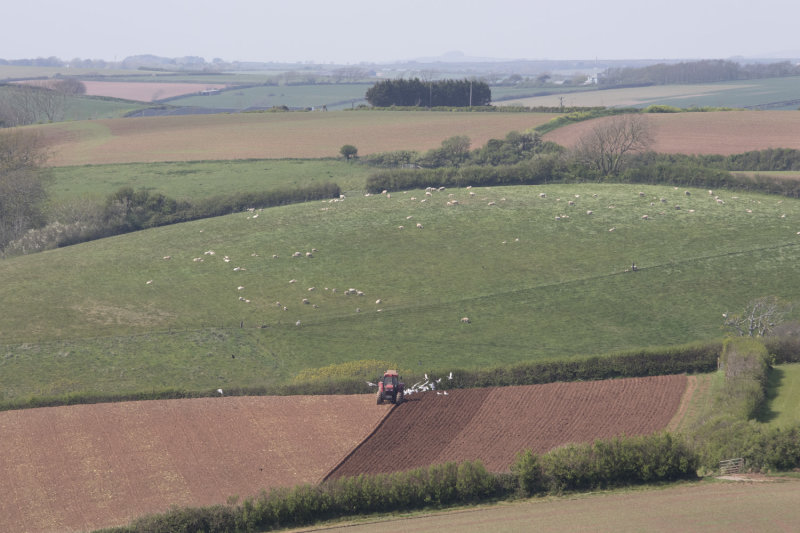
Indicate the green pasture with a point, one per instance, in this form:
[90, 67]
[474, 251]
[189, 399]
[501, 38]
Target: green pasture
[777, 93]
[194, 180]
[84, 318]
[334, 96]
[782, 408]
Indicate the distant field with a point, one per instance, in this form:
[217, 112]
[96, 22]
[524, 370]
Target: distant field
[334, 96]
[721, 132]
[269, 135]
[195, 180]
[775, 93]
[144, 91]
[534, 287]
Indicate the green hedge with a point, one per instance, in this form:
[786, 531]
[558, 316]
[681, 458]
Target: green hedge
[688, 358]
[606, 463]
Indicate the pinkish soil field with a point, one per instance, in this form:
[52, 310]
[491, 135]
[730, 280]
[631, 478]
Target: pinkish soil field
[89, 466]
[269, 135]
[719, 132]
[137, 91]
[145, 91]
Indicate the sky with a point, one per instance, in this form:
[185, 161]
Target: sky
[375, 31]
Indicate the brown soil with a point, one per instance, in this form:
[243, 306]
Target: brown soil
[269, 135]
[89, 466]
[494, 424]
[722, 132]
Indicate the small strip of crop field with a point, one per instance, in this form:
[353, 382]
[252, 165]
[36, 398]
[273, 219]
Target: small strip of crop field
[707, 506]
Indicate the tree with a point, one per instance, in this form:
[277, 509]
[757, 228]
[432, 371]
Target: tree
[607, 146]
[348, 151]
[22, 192]
[759, 317]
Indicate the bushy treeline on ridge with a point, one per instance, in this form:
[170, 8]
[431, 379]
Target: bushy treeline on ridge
[415, 92]
[128, 210]
[703, 71]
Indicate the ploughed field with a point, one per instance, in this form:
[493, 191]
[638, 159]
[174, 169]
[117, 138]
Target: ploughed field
[718, 132]
[493, 424]
[89, 466]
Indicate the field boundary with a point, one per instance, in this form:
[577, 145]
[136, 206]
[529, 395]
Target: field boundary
[344, 459]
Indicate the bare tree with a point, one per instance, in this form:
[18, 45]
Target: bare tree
[759, 318]
[22, 192]
[607, 146]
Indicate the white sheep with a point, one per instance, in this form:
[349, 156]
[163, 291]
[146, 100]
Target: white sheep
[419, 226]
[465, 320]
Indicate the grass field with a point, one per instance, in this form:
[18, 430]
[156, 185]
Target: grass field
[200, 179]
[334, 96]
[782, 408]
[90, 321]
[269, 135]
[774, 93]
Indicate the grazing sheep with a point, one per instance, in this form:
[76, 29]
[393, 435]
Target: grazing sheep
[645, 217]
[297, 323]
[401, 227]
[419, 226]
[378, 302]
[305, 301]
[491, 203]
[542, 195]
[292, 281]
[310, 289]
[570, 203]
[641, 195]
[687, 193]
[296, 254]
[167, 257]
[589, 212]
[308, 254]
[465, 320]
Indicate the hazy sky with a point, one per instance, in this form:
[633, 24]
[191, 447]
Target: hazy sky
[353, 31]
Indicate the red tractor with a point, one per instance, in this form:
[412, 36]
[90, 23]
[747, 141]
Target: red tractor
[391, 388]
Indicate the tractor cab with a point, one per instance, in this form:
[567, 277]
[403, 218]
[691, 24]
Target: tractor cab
[391, 388]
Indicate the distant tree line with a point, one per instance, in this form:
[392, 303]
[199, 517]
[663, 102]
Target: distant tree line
[705, 71]
[415, 92]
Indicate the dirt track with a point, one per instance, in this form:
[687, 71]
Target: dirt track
[494, 424]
